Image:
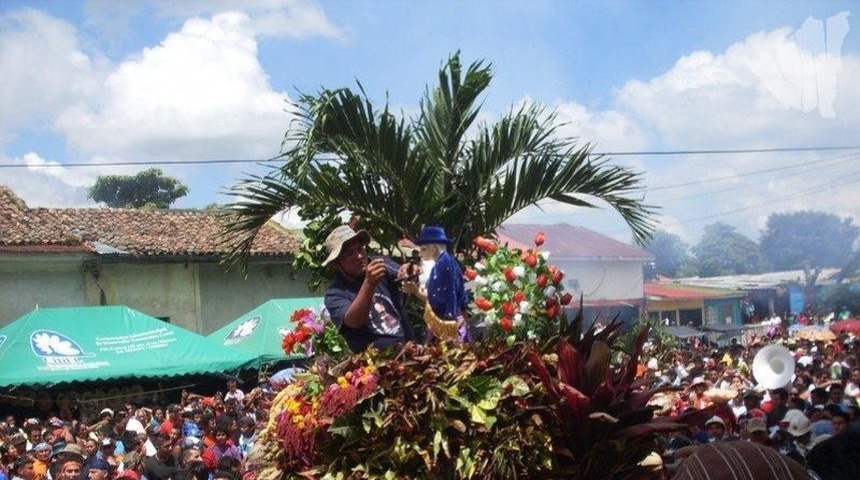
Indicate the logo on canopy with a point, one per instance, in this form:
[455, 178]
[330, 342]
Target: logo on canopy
[56, 349]
[242, 331]
[2, 340]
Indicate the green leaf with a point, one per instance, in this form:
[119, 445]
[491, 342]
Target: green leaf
[478, 415]
[518, 386]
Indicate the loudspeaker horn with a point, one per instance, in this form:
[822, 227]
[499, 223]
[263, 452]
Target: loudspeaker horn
[773, 367]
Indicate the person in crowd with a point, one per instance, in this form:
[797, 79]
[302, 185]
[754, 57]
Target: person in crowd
[364, 300]
[233, 391]
[99, 470]
[224, 475]
[22, 468]
[163, 463]
[777, 407]
[716, 430]
[838, 422]
[247, 435]
[756, 431]
[173, 420]
[41, 460]
[229, 464]
[223, 447]
[837, 458]
[70, 468]
[132, 466]
[157, 419]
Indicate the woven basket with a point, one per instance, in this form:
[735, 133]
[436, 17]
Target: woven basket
[443, 329]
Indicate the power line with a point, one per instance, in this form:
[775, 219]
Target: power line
[277, 157]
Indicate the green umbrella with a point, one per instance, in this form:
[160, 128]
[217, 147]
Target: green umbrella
[49, 346]
[260, 331]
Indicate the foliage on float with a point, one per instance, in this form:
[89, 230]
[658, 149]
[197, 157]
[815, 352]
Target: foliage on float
[542, 399]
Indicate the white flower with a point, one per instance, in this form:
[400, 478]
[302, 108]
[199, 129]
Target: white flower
[480, 266]
[524, 307]
[519, 270]
[481, 280]
[549, 291]
[518, 320]
[491, 317]
[544, 255]
[499, 286]
[531, 335]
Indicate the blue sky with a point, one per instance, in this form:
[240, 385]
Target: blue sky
[100, 81]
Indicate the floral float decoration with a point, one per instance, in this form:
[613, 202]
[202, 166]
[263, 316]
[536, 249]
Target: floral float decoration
[541, 398]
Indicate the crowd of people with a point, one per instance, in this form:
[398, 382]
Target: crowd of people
[199, 438]
[811, 419]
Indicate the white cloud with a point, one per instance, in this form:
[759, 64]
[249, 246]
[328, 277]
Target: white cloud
[201, 93]
[44, 70]
[784, 88]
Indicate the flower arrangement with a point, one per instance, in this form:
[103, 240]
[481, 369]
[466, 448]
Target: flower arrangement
[313, 333]
[518, 292]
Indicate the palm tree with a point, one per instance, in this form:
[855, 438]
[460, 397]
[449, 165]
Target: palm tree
[342, 157]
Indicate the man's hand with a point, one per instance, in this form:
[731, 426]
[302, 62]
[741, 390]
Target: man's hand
[375, 271]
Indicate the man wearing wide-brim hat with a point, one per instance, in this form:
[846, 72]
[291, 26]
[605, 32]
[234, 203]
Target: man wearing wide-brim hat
[364, 301]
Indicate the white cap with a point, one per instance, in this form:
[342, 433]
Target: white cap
[106, 410]
[716, 419]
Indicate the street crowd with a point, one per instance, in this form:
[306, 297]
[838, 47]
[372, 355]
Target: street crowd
[814, 419]
[199, 438]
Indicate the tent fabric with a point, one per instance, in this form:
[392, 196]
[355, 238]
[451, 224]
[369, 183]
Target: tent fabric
[683, 332]
[259, 332]
[50, 346]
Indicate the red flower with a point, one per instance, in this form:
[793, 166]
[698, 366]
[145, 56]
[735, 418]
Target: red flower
[530, 260]
[509, 309]
[551, 302]
[552, 311]
[486, 245]
[540, 238]
[557, 276]
[542, 280]
[483, 304]
[510, 275]
[470, 274]
[506, 324]
[519, 297]
[566, 298]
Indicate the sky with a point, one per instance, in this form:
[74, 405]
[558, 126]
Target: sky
[90, 83]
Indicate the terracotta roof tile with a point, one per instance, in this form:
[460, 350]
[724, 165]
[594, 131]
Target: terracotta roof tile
[659, 291]
[570, 242]
[134, 231]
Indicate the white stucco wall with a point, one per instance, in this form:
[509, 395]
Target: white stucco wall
[602, 280]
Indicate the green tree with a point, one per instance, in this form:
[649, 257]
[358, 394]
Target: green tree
[344, 156]
[149, 188]
[723, 251]
[807, 239]
[670, 254]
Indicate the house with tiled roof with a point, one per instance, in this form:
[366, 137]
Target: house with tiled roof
[165, 263]
[693, 306]
[607, 273]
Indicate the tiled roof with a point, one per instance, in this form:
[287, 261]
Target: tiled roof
[569, 242]
[132, 231]
[660, 291]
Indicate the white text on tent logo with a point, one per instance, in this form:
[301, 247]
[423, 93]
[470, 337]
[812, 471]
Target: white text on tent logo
[60, 352]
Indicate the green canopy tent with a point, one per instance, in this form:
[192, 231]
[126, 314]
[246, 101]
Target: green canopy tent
[50, 346]
[259, 332]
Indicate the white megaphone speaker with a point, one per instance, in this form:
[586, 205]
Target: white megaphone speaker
[773, 367]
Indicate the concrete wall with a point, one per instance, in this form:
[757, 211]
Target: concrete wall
[44, 283]
[200, 297]
[227, 296]
[602, 280]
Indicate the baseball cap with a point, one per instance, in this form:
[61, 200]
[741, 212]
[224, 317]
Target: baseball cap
[17, 439]
[100, 464]
[338, 237]
[716, 419]
[756, 425]
[798, 423]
